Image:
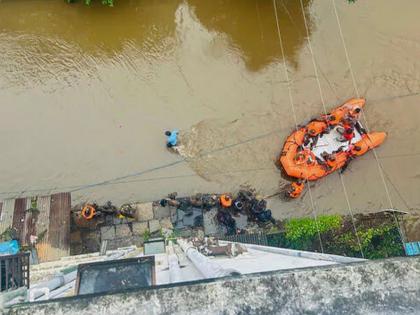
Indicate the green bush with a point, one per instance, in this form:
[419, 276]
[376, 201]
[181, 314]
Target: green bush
[306, 228]
[381, 241]
[377, 242]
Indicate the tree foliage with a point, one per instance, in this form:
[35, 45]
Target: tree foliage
[376, 242]
[307, 227]
[109, 3]
[338, 237]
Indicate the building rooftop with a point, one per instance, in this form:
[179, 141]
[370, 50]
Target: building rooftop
[388, 286]
[248, 259]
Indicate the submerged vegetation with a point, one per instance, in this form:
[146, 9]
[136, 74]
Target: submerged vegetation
[109, 3]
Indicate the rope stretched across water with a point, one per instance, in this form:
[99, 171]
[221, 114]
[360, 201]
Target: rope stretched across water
[356, 89]
[321, 94]
[286, 74]
[119, 179]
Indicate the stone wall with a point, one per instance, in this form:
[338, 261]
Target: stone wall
[149, 219]
[389, 286]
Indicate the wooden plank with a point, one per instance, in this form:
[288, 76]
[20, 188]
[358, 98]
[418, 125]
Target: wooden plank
[7, 214]
[19, 216]
[59, 226]
[31, 218]
[42, 225]
[25, 221]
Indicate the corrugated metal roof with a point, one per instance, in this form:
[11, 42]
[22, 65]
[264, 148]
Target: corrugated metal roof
[51, 224]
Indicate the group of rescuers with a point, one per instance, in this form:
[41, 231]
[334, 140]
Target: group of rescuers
[345, 128]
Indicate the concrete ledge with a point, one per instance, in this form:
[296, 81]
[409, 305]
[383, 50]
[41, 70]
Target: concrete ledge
[389, 286]
[300, 253]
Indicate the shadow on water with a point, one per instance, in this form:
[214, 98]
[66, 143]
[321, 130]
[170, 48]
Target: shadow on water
[32, 28]
[251, 26]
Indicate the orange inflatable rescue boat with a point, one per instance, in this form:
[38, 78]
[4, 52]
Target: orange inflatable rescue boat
[328, 143]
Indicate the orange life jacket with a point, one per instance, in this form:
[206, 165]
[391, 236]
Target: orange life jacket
[333, 118]
[296, 190]
[305, 156]
[225, 201]
[331, 163]
[316, 127]
[354, 114]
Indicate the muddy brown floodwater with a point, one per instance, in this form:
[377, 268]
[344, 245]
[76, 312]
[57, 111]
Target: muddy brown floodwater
[87, 92]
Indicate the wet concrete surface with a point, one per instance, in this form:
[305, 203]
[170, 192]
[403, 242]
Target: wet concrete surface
[84, 102]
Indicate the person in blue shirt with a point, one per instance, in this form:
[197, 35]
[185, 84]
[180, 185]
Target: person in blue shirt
[172, 138]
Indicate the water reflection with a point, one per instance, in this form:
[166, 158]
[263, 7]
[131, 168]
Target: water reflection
[93, 29]
[44, 40]
[99, 84]
[50, 43]
[251, 26]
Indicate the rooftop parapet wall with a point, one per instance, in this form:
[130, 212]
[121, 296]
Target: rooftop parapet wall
[389, 286]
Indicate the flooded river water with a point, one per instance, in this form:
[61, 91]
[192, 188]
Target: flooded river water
[87, 92]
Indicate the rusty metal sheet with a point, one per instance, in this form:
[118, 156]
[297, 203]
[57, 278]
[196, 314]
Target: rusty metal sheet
[19, 216]
[59, 226]
[7, 214]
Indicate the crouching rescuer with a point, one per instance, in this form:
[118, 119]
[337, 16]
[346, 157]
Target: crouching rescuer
[295, 189]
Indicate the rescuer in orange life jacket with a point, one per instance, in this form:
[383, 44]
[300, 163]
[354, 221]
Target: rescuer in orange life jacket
[355, 113]
[329, 161]
[351, 153]
[296, 189]
[316, 127]
[225, 201]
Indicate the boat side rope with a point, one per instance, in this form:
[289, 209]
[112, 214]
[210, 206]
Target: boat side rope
[356, 89]
[286, 74]
[321, 94]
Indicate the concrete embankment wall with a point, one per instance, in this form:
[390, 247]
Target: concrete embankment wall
[389, 286]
